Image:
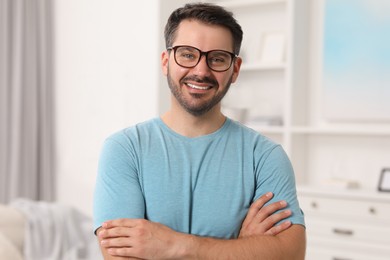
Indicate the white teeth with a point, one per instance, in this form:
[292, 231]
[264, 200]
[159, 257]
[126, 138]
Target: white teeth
[197, 87]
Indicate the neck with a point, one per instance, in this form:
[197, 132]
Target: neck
[189, 125]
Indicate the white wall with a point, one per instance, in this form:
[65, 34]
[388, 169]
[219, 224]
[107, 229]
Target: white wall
[107, 73]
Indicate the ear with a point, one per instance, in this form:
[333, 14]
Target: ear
[236, 68]
[165, 62]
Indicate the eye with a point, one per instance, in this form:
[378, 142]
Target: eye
[187, 54]
[219, 57]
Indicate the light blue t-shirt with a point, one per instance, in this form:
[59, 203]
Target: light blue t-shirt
[202, 186]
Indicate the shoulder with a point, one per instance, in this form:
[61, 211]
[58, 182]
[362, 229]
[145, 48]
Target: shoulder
[263, 148]
[252, 136]
[129, 138]
[133, 131]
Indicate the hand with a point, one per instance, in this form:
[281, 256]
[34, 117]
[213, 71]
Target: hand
[139, 239]
[261, 220]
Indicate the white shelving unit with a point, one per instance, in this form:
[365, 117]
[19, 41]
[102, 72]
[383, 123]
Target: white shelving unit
[322, 149]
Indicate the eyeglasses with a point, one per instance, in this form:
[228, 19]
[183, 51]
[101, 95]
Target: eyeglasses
[189, 57]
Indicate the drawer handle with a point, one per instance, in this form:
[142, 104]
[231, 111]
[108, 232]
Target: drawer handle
[338, 258]
[344, 232]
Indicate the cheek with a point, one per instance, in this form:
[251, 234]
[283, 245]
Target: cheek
[165, 70]
[176, 73]
[224, 81]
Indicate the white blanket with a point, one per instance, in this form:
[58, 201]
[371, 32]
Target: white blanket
[57, 232]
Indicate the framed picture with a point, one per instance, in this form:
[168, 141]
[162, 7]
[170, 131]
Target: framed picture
[384, 180]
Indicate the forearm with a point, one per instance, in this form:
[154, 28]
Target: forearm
[243, 248]
[290, 245]
[260, 238]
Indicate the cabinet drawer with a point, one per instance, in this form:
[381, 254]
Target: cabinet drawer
[346, 207]
[334, 249]
[347, 231]
[316, 253]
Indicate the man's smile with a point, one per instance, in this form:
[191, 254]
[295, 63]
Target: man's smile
[198, 87]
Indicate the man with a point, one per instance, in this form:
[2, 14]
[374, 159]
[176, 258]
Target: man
[194, 184]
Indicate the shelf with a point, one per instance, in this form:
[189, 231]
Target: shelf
[259, 66]
[269, 129]
[357, 130]
[332, 192]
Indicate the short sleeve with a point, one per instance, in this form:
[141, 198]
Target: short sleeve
[274, 173]
[117, 192]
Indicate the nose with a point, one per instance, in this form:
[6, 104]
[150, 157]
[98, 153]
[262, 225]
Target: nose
[202, 67]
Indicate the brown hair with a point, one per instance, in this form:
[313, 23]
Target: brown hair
[206, 13]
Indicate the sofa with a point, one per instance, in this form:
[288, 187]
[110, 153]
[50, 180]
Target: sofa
[36, 230]
[12, 227]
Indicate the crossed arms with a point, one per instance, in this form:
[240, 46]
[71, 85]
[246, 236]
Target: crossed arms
[259, 238]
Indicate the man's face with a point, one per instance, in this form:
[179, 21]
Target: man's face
[199, 89]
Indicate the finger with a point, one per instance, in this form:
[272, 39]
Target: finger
[260, 202]
[114, 232]
[127, 252]
[121, 222]
[275, 218]
[116, 242]
[256, 206]
[120, 251]
[279, 228]
[270, 209]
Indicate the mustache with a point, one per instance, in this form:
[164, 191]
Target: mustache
[207, 80]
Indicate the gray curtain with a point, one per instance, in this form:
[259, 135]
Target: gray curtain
[26, 100]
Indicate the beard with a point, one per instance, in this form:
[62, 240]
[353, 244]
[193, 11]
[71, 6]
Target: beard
[194, 105]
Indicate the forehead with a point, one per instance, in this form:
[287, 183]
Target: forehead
[204, 36]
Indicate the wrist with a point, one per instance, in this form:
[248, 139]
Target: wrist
[185, 246]
[202, 248]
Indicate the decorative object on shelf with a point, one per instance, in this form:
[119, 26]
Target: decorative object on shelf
[266, 121]
[273, 47]
[341, 183]
[384, 180]
[356, 61]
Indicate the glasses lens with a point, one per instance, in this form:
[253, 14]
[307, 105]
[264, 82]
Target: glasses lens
[187, 56]
[219, 60]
